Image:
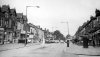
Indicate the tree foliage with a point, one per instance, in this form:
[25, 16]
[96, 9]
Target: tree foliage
[59, 35]
[67, 36]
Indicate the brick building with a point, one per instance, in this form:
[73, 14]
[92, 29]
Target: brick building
[92, 28]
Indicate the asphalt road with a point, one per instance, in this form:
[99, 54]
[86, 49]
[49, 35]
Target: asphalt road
[50, 50]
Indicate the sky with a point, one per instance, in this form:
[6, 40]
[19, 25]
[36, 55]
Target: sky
[54, 14]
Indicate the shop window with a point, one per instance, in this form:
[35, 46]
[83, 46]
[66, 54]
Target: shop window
[98, 19]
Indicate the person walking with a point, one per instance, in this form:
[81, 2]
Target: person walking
[25, 42]
[85, 41]
[93, 43]
[67, 43]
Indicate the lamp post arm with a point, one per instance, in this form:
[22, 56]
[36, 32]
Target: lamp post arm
[68, 28]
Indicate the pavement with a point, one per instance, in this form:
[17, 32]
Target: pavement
[49, 50]
[11, 46]
[72, 49]
[85, 52]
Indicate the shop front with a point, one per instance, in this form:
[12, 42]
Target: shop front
[22, 38]
[97, 38]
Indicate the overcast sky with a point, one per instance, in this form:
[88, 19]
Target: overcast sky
[52, 12]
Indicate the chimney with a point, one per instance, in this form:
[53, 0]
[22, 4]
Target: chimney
[45, 29]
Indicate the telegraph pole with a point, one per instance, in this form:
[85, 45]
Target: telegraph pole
[67, 26]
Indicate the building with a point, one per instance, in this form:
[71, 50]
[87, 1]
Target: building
[22, 27]
[8, 26]
[1, 26]
[33, 34]
[40, 34]
[91, 28]
[14, 28]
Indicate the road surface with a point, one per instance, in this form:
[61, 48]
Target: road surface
[50, 50]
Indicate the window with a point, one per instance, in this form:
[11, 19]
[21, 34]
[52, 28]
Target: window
[6, 15]
[31, 30]
[0, 22]
[98, 19]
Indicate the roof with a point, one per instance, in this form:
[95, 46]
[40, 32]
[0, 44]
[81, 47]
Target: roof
[5, 8]
[24, 17]
[88, 22]
[32, 25]
[97, 12]
[19, 15]
[13, 11]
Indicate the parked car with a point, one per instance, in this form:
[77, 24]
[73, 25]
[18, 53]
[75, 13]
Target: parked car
[29, 40]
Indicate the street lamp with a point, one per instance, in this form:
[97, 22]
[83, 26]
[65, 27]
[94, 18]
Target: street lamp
[27, 18]
[67, 26]
[30, 6]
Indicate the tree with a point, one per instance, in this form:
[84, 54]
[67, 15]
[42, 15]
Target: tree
[59, 35]
[67, 37]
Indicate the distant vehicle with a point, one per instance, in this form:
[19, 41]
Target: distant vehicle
[61, 41]
[56, 41]
[29, 40]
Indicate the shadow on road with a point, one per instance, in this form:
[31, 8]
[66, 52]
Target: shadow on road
[88, 54]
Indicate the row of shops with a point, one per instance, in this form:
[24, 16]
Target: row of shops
[20, 36]
[91, 28]
[9, 36]
[14, 27]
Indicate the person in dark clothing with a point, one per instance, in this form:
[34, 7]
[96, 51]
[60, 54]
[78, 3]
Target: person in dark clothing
[67, 43]
[85, 41]
[25, 42]
[93, 43]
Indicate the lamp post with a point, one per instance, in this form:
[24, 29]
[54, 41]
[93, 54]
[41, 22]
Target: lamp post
[67, 26]
[30, 6]
[68, 33]
[26, 24]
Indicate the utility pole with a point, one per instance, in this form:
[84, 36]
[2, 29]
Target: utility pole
[67, 26]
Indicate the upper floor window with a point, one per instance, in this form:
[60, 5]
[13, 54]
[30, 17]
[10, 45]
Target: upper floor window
[31, 30]
[98, 19]
[1, 21]
[6, 15]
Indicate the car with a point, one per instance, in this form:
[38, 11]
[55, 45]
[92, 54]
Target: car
[29, 40]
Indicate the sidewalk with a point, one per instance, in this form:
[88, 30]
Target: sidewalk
[14, 46]
[79, 50]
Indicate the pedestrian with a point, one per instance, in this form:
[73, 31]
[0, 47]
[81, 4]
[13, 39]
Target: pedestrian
[25, 42]
[85, 41]
[93, 43]
[67, 43]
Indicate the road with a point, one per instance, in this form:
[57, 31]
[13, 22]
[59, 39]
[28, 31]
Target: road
[50, 50]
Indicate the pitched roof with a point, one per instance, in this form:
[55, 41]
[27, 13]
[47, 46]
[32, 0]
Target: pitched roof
[5, 8]
[19, 15]
[31, 25]
[24, 17]
[13, 11]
